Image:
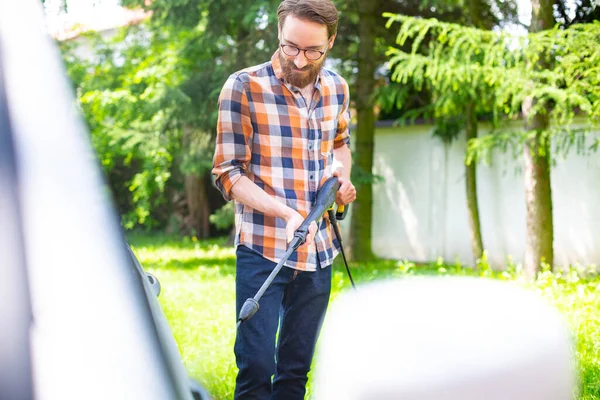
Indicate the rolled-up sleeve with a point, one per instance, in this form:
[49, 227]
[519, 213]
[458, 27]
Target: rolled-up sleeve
[343, 132]
[234, 135]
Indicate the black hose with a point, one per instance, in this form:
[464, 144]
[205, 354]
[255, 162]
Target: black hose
[338, 235]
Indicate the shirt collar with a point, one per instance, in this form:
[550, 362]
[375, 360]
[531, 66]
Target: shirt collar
[279, 72]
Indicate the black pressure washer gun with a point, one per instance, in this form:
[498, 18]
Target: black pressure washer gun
[324, 203]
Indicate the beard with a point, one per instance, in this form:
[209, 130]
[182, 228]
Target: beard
[305, 76]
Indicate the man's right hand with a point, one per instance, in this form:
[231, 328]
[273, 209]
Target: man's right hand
[293, 222]
[246, 192]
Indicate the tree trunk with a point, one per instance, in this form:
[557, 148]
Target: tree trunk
[241, 47]
[198, 210]
[362, 213]
[538, 190]
[538, 197]
[475, 11]
[542, 16]
[471, 183]
[196, 195]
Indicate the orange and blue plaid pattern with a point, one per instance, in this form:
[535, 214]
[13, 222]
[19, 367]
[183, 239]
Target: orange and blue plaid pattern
[267, 132]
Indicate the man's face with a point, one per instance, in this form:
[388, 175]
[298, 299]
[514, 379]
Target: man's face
[298, 70]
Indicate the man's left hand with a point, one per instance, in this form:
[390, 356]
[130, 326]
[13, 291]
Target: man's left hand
[346, 193]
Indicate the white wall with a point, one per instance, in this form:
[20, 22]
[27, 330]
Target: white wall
[420, 210]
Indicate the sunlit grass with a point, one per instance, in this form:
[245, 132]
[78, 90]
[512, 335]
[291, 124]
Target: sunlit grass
[198, 298]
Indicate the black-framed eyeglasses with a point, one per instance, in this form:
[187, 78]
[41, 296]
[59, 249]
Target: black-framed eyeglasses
[293, 51]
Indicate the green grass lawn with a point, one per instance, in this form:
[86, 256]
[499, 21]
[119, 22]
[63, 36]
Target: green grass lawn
[197, 279]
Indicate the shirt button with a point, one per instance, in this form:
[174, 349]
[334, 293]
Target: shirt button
[310, 146]
[312, 177]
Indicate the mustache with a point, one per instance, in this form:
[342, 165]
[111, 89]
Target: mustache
[305, 68]
[292, 66]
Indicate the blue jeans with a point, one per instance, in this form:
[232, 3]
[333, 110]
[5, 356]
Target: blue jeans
[295, 303]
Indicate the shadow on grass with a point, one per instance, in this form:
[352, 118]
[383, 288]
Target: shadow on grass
[156, 240]
[589, 369]
[221, 258]
[223, 267]
[153, 244]
[392, 269]
[590, 381]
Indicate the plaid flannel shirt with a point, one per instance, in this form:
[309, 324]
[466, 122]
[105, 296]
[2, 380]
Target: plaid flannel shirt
[267, 132]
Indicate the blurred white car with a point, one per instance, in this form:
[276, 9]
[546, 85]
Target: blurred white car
[79, 319]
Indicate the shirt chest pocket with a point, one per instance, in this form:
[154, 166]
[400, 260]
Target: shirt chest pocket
[328, 132]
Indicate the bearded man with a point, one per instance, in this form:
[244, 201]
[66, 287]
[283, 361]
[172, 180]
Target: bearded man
[281, 126]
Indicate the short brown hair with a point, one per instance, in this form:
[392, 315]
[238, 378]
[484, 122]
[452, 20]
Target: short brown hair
[320, 11]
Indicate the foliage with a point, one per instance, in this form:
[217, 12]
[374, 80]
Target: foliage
[224, 217]
[501, 70]
[149, 95]
[410, 102]
[129, 93]
[576, 12]
[198, 297]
